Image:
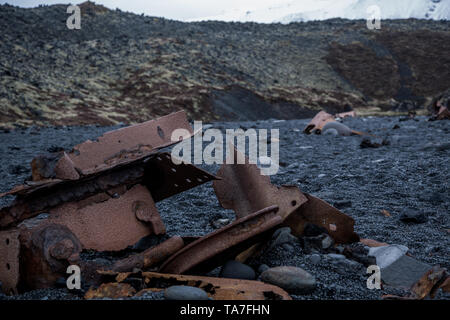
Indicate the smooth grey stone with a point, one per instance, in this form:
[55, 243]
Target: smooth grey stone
[292, 279]
[185, 293]
[263, 268]
[404, 272]
[314, 258]
[236, 270]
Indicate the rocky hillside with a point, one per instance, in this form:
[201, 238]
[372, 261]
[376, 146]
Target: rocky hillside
[122, 67]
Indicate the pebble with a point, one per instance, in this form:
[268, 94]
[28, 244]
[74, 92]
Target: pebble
[185, 293]
[314, 258]
[292, 279]
[263, 268]
[414, 216]
[236, 270]
[220, 223]
[282, 236]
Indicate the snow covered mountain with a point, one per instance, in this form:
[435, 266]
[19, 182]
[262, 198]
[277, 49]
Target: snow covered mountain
[286, 11]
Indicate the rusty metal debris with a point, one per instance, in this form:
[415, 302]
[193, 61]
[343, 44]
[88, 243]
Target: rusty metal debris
[322, 118]
[150, 257]
[216, 288]
[214, 249]
[440, 107]
[112, 290]
[427, 286]
[253, 191]
[99, 196]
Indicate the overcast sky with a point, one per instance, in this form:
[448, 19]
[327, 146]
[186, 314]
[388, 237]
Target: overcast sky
[172, 9]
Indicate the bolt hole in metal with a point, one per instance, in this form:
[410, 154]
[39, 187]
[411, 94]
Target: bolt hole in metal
[8, 266]
[160, 132]
[294, 203]
[7, 242]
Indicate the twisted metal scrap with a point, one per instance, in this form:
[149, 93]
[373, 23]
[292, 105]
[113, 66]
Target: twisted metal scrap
[252, 191]
[216, 288]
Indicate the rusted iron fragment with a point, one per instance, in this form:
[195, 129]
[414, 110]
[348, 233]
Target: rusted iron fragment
[440, 107]
[164, 178]
[214, 249]
[445, 286]
[151, 256]
[442, 114]
[427, 286]
[317, 123]
[9, 260]
[372, 243]
[253, 191]
[128, 144]
[112, 290]
[244, 189]
[113, 224]
[322, 118]
[55, 165]
[45, 254]
[217, 288]
[318, 212]
[345, 114]
[38, 197]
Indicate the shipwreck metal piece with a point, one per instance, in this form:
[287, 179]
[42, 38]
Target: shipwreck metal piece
[429, 284]
[156, 171]
[151, 256]
[252, 191]
[45, 254]
[214, 249]
[164, 178]
[112, 290]
[113, 224]
[322, 118]
[317, 123]
[216, 288]
[9, 260]
[318, 212]
[128, 144]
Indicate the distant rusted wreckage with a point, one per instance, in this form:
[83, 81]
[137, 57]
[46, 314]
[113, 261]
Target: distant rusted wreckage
[101, 197]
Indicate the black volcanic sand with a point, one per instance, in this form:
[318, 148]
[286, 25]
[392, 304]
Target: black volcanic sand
[412, 173]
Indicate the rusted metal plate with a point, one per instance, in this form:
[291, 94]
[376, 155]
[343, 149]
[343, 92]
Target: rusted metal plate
[46, 252]
[128, 144]
[151, 256]
[164, 178]
[317, 123]
[9, 260]
[216, 288]
[244, 189]
[322, 118]
[214, 249]
[318, 212]
[41, 197]
[111, 290]
[429, 283]
[113, 224]
[345, 114]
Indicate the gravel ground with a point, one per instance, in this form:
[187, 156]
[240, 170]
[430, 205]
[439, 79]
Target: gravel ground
[411, 173]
